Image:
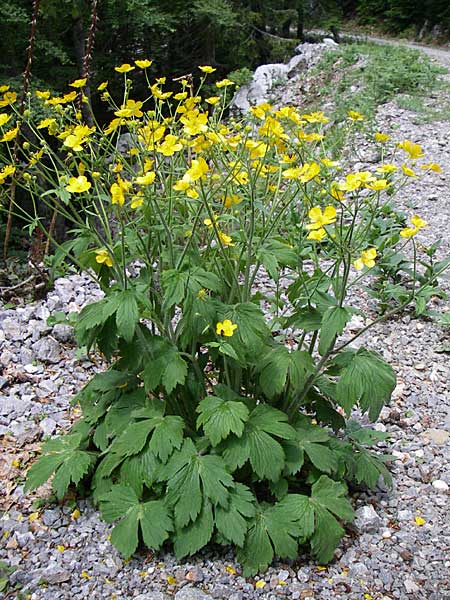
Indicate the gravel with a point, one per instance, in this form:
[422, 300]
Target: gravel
[396, 549]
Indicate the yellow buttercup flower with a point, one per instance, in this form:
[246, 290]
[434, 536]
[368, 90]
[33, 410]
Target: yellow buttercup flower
[103, 257]
[231, 200]
[143, 64]
[4, 88]
[198, 169]
[225, 239]
[387, 168]
[317, 235]
[382, 137]
[102, 86]
[408, 171]
[8, 98]
[125, 68]
[319, 219]
[170, 145]
[304, 173]
[367, 259]
[131, 109]
[10, 135]
[207, 69]
[224, 83]
[6, 172]
[146, 179]
[213, 100]
[42, 95]
[378, 185]
[432, 167]
[353, 115]
[418, 224]
[4, 118]
[315, 117]
[78, 137]
[226, 328]
[78, 185]
[180, 96]
[414, 150]
[137, 200]
[118, 191]
[78, 83]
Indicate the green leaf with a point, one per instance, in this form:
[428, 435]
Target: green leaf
[232, 521]
[257, 445]
[369, 467]
[334, 321]
[366, 380]
[252, 328]
[190, 539]
[127, 314]
[175, 372]
[151, 518]
[273, 532]
[167, 434]
[219, 418]
[174, 286]
[191, 477]
[63, 457]
[278, 365]
[328, 499]
[307, 319]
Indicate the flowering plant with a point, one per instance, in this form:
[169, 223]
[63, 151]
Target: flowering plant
[226, 252]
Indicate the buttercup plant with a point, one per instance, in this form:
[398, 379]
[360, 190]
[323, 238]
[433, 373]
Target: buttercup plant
[214, 421]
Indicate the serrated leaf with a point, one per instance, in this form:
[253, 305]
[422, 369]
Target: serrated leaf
[257, 445]
[232, 521]
[328, 499]
[334, 321]
[368, 469]
[190, 539]
[220, 417]
[191, 477]
[272, 532]
[63, 457]
[127, 314]
[308, 319]
[175, 372]
[366, 380]
[174, 286]
[151, 518]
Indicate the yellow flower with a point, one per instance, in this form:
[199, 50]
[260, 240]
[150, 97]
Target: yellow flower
[78, 137]
[78, 83]
[319, 219]
[387, 168]
[225, 239]
[418, 224]
[207, 69]
[382, 137]
[353, 115]
[137, 200]
[414, 150]
[4, 118]
[125, 68]
[8, 98]
[194, 122]
[78, 185]
[317, 234]
[60, 548]
[336, 193]
[118, 191]
[180, 96]
[230, 570]
[213, 100]
[226, 328]
[367, 259]
[329, 163]
[130, 109]
[4, 88]
[42, 95]
[146, 179]
[198, 169]
[354, 181]
[75, 514]
[170, 145]
[9, 135]
[231, 200]
[408, 171]
[103, 257]
[432, 167]
[102, 86]
[143, 64]
[6, 172]
[419, 521]
[224, 83]
[260, 584]
[378, 185]
[316, 117]
[70, 97]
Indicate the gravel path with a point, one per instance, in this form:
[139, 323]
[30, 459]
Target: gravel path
[399, 545]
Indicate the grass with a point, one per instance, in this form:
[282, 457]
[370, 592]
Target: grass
[363, 76]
